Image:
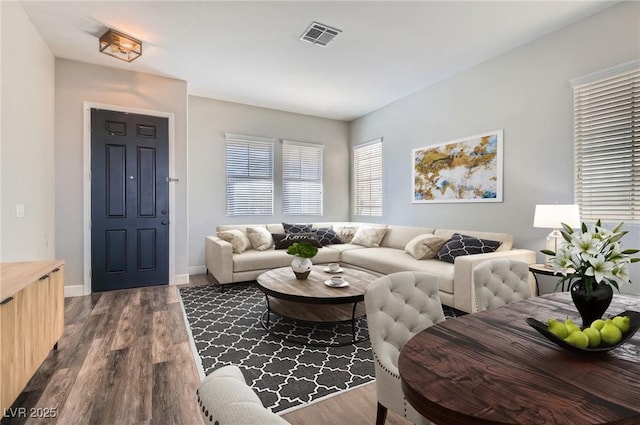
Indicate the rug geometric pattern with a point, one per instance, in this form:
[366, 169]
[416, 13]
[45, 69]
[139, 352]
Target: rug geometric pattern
[226, 328]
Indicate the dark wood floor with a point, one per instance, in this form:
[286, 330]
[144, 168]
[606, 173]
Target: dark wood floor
[125, 358]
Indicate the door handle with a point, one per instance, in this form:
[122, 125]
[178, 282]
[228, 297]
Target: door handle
[164, 222]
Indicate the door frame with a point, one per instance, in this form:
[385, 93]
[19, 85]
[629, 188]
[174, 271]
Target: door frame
[86, 182]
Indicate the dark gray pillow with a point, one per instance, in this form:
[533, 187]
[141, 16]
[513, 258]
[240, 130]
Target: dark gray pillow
[296, 228]
[327, 236]
[285, 240]
[465, 245]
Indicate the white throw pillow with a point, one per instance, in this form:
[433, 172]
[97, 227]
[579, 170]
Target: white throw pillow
[369, 236]
[345, 233]
[237, 239]
[260, 238]
[425, 246]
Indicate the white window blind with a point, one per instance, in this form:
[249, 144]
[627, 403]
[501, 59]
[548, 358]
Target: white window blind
[249, 165]
[301, 178]
[367, 171]
[607, 147]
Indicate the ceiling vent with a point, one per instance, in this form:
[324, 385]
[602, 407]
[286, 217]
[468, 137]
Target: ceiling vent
[319, 34]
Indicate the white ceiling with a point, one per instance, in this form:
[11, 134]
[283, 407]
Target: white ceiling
[249, 52]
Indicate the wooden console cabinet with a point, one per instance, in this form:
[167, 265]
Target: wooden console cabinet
[31, 321]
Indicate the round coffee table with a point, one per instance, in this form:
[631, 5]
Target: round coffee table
[310, 300]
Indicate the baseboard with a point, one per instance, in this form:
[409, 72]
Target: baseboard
[180, 279]
[74, 291]
[197, 270]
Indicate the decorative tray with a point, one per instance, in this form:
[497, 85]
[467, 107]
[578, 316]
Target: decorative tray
[634, 317]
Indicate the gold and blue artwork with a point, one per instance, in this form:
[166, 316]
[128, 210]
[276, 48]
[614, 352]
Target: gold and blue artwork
[463, 170]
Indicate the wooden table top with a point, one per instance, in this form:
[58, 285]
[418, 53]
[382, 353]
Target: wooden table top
[16, 276]
[493, 368]
[282, 283]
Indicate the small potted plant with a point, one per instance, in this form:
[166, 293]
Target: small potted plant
[301, 264]
[596, 260]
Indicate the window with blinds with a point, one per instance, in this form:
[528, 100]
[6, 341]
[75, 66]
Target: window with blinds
[301, 178]
[367, 172]
[249, 166]
[607, 144]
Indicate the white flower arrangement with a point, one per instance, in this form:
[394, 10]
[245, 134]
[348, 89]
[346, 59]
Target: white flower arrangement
[593, 256]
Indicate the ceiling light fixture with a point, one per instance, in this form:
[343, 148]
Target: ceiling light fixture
[121, 46]
[319, 34]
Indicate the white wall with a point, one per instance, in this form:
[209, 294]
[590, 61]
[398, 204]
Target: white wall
[27, 139]
[210, 119]
[77, 82]
[526, 92]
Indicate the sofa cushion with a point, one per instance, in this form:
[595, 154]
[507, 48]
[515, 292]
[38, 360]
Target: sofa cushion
[296, 228]
[260, 260]
[285, 240]
[344, 247]
[327, 236]
[274, 258]
[505, 238]
[424, 246]
[345, 232]
[465, 245]
[369, 236]
[237, 238]
[260, 238]
[391, 260]
[398, 236]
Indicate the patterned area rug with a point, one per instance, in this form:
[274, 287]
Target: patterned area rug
[226, 327]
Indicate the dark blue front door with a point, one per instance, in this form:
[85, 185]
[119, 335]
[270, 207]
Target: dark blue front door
[129, 200]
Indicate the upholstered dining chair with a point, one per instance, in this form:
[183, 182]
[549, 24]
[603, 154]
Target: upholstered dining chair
[398, 306]
[225, 398]
[500, 282]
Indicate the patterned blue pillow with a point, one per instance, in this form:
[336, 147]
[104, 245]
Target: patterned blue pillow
[465, 245]
[327, 236]
[296, 228]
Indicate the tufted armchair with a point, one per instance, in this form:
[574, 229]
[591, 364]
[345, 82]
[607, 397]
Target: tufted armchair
[500, 282]
[398, 306]
[225, 399]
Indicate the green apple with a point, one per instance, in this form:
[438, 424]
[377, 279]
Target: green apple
[557, 328]
[594, 337]
[571, 327]
[622, 322]
[597, 324]
[578, 338]
[610, 333]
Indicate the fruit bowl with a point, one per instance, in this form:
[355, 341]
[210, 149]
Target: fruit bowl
[634, 317]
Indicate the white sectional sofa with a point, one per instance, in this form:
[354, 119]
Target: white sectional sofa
[456, 280]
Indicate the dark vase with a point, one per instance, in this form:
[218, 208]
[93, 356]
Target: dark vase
[591, 306]
[302, 275]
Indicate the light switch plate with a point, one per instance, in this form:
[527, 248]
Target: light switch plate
[19, 210]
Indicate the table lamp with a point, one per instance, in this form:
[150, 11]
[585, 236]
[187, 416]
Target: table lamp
[552, 217]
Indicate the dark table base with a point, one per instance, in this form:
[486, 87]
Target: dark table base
[265, 320]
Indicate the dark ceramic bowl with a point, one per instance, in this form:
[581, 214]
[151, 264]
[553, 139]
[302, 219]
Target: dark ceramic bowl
[634, 317]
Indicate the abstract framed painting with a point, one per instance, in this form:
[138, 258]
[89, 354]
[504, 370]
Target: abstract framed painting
[463, 170]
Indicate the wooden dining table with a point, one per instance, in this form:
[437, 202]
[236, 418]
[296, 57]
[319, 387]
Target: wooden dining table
[491, 367]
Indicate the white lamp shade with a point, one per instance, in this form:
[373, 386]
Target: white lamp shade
[552, 216]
